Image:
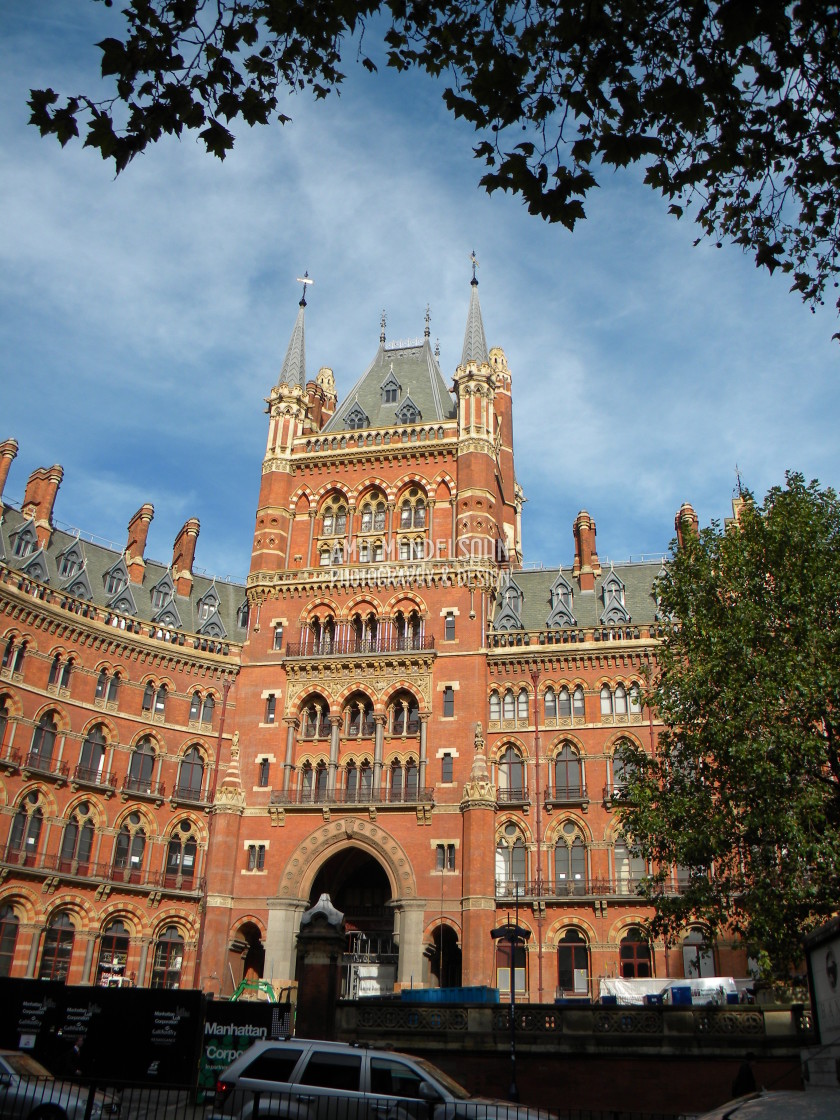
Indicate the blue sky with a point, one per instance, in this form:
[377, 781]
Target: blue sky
[144, 319]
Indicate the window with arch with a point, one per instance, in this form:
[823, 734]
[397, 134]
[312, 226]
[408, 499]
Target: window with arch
[511, 775]
[372, 519]
[43, 742]
[25, 833]
[522, 701]
[57, 950]
[101, 685]
[320, 789]
[5, 716]
[413, 510]
[573, 963]
[606, 702]
[698, 955]
[403, 783]
[634, 955]
[25, 542]
[622, 767]
[92, 758]
[130, 848]
[564, 703]
[191, 775]
[511, 862]
[550, 703]
[578, 703]
[9, 929]
[630, 868]
[509, 704]
[567, 774]
[315, 718]
[111, 963]
[160, 702]
[207, 710]
[570, 875]
[323, 634]
[335, 517]
[168, 959]
[357, 718]
[13, 657]
[634, 699]
[182, 855]
[403, 714]
[60, 673]
[495, 707]
[409, 629]
[195, 707]
[113, 689]
[141, 767]
[364, 630]
[620, 700]
[504, 952]
[77, 841]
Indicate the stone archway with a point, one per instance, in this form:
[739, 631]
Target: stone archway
[327, 860]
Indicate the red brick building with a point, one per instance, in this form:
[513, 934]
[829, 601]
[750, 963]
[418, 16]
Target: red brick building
[392, 711]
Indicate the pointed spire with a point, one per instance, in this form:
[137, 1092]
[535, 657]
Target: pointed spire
[475, 344]
[294, 364]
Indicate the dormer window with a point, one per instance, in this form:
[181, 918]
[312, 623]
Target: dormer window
[357, 418]
[116, 579]
[71, 563]
[390, 388]
[160, 597]
[615, 611]
[560, 597]
[408, 412]
[26, 542]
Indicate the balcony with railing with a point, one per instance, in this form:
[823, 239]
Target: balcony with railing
[349, 645]
[345, 799]
[117, 872]
[185, 794]
[94, 778]
[566, 795]
[143, 788]
[46, 766]
[10, 761]
[513, 795]
[590, 888]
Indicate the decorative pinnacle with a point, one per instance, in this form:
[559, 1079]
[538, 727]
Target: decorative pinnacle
[474, 260]
[427, 330]
[437, 348]
[382, 327]
[304, 280]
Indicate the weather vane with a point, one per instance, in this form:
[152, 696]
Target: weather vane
[474, 260]
[304, 280]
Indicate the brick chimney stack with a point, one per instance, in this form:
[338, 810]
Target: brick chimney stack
[138, 531]
[183, 554]
[8, 450]
[39, 499]
[686, 522]
[587, 565]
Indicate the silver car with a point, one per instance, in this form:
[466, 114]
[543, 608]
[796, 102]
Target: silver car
[302, 1079]
[30, 1092]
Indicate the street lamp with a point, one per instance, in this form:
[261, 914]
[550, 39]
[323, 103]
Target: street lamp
[513, 933]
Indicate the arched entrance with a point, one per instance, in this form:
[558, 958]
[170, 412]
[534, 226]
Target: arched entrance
[359, 887]
[246, 957]
[444, 956]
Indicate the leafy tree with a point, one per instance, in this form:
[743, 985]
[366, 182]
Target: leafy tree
[743, 793]
[732, 108]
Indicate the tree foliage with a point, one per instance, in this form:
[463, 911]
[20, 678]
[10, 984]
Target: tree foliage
[744, 790]
[732, 108]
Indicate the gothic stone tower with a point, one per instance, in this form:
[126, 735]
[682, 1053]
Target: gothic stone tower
[383, 526]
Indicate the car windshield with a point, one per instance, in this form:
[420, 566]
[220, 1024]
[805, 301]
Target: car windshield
[444, 1079]
[25, 1066]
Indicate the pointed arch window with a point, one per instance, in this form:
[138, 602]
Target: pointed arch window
[570, 876]
[92, 758]
[578, 703]
[620, 700]
[207, 709]
[550, 703]
[57, 952]
[9, 928]
[567, 773]
[101, 685]
[564, 703]
[141, 767]
[77, 841]
[148, 696]
[168, 959]
[509, 704]
[404, 714]
[573, 963]
[25, 542]
[511, 862]
[495, 707]
[522, 702]
[321, 778]
[43, 742]
[606, 702]
[5, 713]
[511, 770]
[181, 856]
[634, 955]
[630, 869]
[195, 707]
[130, 849]
[351, 782]
[113, 953]
[190, 775]
[365, 780]
[113, 689]
[25, 833]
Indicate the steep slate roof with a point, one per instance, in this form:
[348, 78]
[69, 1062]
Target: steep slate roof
[418, 373]
[587, 607]
[99, 560]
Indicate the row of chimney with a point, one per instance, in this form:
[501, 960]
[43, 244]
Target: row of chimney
[587, 566]
[39, 499]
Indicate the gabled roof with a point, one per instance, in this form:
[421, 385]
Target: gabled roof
[417, 373]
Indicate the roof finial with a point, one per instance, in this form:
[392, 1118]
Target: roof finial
[304, 280]
[382, 327]
[474, 260]
[427, 330]
[437, 349]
